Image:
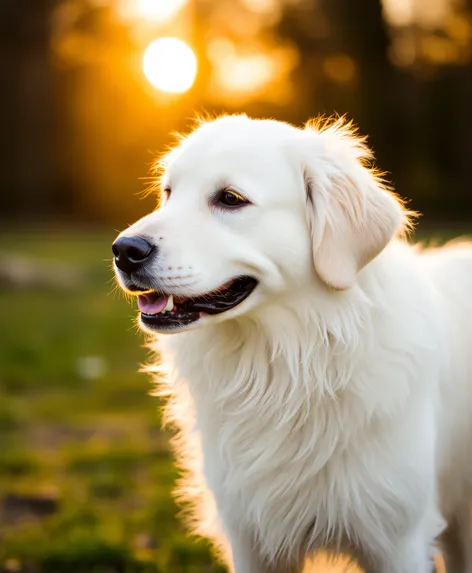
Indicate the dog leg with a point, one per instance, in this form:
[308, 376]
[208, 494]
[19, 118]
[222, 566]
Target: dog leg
[249, 562]
[413, 556]
[413, 564]
[246, 558]
[456, 542]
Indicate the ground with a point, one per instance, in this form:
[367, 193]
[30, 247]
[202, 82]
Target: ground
[85, 469]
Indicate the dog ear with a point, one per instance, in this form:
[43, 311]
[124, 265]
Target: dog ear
[351, 214]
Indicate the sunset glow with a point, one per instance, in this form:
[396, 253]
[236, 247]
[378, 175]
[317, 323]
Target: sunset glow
[242, 75]
[156, 11]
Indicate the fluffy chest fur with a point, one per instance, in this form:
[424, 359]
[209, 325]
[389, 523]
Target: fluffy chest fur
[292, 432]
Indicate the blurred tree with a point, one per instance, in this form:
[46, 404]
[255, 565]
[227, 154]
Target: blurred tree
[407, 86]
[27, 140]
[80, 123]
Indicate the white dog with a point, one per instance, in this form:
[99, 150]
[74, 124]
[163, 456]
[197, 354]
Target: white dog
[320, 371]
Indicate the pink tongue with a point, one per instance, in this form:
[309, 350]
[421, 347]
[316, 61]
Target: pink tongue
[151, 303]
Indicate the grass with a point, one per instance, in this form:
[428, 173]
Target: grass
[85, 471]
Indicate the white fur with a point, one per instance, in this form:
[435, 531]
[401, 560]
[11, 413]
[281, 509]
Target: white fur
[333, 408]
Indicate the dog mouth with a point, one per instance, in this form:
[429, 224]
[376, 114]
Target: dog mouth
[163, 311]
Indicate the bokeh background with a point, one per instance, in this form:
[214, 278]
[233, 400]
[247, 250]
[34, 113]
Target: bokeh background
[90, 92]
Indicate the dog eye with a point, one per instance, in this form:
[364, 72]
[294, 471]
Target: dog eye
[228, 198]
[163, 196]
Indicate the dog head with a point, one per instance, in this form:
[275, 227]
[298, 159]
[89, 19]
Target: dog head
[252, 210]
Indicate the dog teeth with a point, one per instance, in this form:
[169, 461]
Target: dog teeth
[169, 306]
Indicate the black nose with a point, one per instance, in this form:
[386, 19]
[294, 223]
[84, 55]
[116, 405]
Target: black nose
[131, 252]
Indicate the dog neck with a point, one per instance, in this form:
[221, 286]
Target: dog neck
[312, 349]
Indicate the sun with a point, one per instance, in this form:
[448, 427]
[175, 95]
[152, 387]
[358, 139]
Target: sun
[170, 65]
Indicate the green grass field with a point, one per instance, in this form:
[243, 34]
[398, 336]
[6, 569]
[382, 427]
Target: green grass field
[85, 471]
